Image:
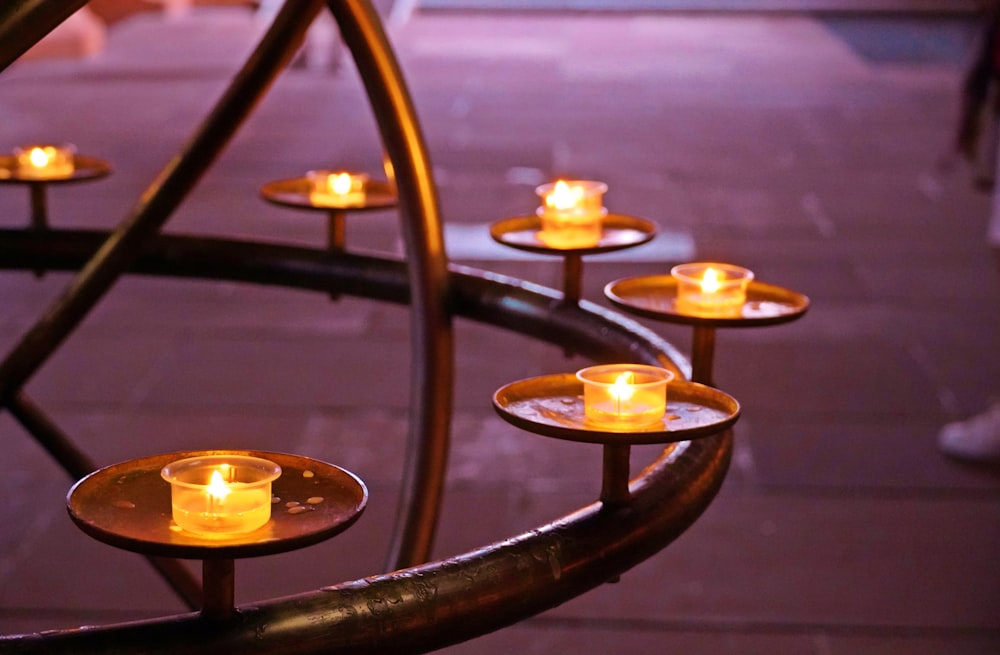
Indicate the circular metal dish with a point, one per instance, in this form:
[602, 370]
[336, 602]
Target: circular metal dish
[552, 405]
[618, 232]
[294, 192]
[655, 296]
[84, 168]
[127, 505]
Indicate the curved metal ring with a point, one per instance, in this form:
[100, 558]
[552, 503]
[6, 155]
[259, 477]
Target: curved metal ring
[429, 606]
[422, 608]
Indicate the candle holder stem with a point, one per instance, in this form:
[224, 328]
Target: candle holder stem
[218, 581]
[572, 277]
[614, 484]
[336, 235]
[336, 239]
[39, 212]
[39, 206]
[702, 354]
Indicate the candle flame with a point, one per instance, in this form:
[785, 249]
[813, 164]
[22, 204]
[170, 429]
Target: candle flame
[39, 157]
[563, 196]
[340, 184]
[217, 487]
[711, 281]
[622, 388]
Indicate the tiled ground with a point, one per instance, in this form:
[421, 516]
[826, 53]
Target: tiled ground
[764, 140]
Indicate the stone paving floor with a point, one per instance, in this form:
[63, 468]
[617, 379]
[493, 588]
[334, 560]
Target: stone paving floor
[767, 141]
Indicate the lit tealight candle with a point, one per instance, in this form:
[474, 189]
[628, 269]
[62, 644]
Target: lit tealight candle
[44, 162]
[571, 213]
[221, 495]
[337, 188]
[623, 396]
[711, 289]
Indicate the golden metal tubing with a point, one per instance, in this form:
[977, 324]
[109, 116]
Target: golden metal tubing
[524, 307]
[432, 340]
[702, 354]
[39, 205]
[218, 583]
[336, 236]
[615, 473]
[336, 230]
[572, 277]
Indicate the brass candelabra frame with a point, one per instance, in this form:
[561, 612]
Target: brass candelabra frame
[433, 603]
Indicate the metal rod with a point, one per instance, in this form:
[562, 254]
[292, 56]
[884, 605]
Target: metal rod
[39, 212]
[614, 483]
[39, 205]
[702, 354]
[218, 580]
[164, 195]
[23, 23]
[572, 277]
[527, 308]
[336, 236]
[432, 340]
[336, 232]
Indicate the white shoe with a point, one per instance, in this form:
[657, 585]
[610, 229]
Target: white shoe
[976, 438]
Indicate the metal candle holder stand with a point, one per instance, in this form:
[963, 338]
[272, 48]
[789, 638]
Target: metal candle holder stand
[655, 296]
[84, 169]
[552, 406]
[294, 192]
[618, 232]
[128, 506]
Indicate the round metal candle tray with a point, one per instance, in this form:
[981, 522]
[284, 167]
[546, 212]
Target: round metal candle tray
[84, 168]
[294, 192]
[127, 505]
[552, 405]
[618, 232]
[655, 296]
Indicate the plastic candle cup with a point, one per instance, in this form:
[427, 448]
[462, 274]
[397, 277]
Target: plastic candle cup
[220, 495]
[711, 289]
[42, 162]
[572, 212]
[337, 188]
[624, 396]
